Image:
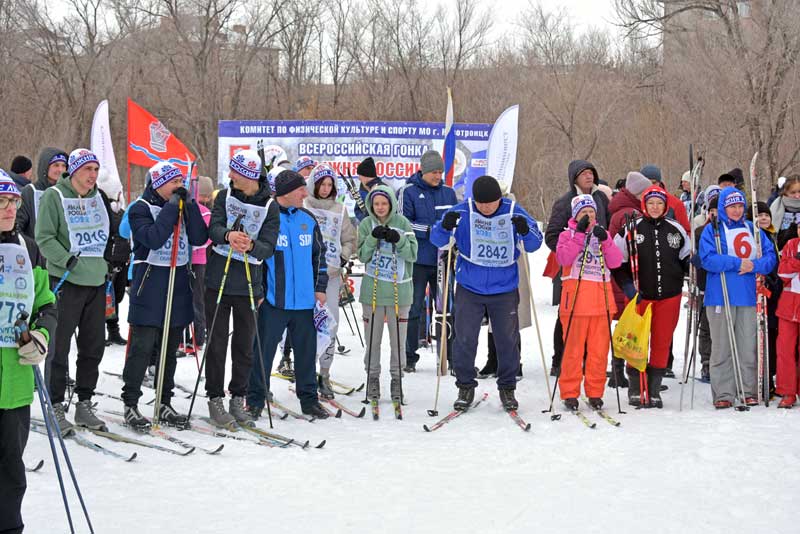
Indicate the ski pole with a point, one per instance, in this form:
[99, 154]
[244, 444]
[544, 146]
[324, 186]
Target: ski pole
[71, 263]
[443, 335]
[555, 416]
[51, 424]
[761, 300]
[260, 354]
[162, 359]
[397, 321]
[601, 257]
[350, 299]
[524, 261]
[236, 224]
[372, 319]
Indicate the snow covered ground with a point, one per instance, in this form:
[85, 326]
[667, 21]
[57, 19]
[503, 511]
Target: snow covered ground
[662, 471]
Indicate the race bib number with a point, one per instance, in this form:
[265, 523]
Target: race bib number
[87, 225]
[382, 265]
[17, 289]
[163, 256]
[741, 243]
[492, 239]
[252, 221]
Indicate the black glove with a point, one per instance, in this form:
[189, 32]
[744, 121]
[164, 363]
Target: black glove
[379, 232]
[583, 224]
[450, 220]
[520, 224]
[695, 260]
[179, 194]
[392, 236]
[599, 232]
[72, 262]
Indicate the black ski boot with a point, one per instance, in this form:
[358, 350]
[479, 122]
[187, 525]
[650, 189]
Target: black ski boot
[508, 400]
[255, 412]
[466, 394]
[135, 420]
[285, 367]
[571, 404]
[654, 377]
[634, 387]
[317, 411]
[618, 374]
[114, 337]
[168, 415]
[519, 373]
[596, 403]
[705, 374]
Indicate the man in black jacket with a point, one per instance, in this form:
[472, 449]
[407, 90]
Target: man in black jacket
[583, 180]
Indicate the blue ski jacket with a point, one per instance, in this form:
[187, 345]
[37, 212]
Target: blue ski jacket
[741, 288]
[477, 278]
[297, 270]
[423, 205]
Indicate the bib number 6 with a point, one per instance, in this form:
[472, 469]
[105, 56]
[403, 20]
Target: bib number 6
[742, 246]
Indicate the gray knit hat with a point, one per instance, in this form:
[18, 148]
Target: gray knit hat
[431, 161]
[636, 183]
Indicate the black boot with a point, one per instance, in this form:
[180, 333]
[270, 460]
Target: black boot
[114, 337]
[508, 400]
[617, 374]
[466, 394]
[634, 389]
[490, 369]
[654, 377]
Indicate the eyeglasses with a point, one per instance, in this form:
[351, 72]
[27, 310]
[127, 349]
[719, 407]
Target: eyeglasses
[5, 201]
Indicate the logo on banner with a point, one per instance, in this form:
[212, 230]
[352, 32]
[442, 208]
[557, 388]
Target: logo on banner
[158, 136]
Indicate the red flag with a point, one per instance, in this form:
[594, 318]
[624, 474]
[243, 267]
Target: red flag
[149, 141]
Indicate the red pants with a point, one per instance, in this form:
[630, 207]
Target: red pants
[591, 332]
[786, 373]
[665, 319]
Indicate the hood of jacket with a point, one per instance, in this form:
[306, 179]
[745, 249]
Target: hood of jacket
[41, 182]
[392, 201]
[723, 195]
[328, 204]
[576, 167]
[643, 204]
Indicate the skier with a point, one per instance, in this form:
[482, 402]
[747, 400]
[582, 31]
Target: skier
[339, 236]
[737, 260]
[153, 219]
[52, 164]
[786, 210]
[296, 278]
[675, 208]
[72, 228]
[16, 378]
[249, 198]
[388, 248]
[662, 254]
[423, 202]
[487, 280]
[583, 180]
[786, 380]
[583, 308]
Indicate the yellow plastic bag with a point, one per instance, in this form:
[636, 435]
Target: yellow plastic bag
[631, 338]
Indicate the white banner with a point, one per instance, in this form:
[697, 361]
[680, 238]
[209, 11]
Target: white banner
[101, 145]
[501, 153]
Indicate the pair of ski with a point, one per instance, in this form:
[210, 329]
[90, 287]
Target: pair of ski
[599, 411]
[161, 434]
[338, 387]
[518, 420]
[265, 435]
[375, 409]
[38, 426]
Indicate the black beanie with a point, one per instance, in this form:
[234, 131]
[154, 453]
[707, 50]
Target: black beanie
[734, 175]
[763, 208]
[287, 181]
[21, 164]
[367, 168]
[486, 189]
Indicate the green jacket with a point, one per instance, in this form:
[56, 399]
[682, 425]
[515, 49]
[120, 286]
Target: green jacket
[53, 238]
[406, 254]
[16, 381]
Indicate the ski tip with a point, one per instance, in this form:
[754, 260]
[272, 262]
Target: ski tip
[218, 449]
[187, 453]
[361, 413]
[304, 445]
[321, 444]
[359, 388]
[36, 467]
[338, 414]
[426, 428]
[284, 417]
[132, 457]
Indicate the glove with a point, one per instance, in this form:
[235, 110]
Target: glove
[450, 220]
[179, 194]
[392, 236]
[600, 232]
[583, 224]
[629, 289]
[520, 224]
[696, 261]
[379, 232]
[35, 350]
[72, 262]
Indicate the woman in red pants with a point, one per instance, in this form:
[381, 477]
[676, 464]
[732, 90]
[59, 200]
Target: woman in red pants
[661, 248]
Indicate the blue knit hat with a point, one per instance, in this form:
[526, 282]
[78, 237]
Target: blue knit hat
[736, 197]
[582, 201]
[655, 192]
[162, 173]
[303, 162]
[7, 185]
[80, 157]
[247, 163]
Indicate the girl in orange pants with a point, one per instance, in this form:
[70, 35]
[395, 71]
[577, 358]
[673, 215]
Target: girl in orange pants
[587, 253]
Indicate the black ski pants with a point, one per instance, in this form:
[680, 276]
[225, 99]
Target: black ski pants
[14, 428]
[424, 277]
[84, 308]
[144, 340]
[244, 329]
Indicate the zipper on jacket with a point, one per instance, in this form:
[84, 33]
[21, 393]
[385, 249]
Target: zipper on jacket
[144, 279]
